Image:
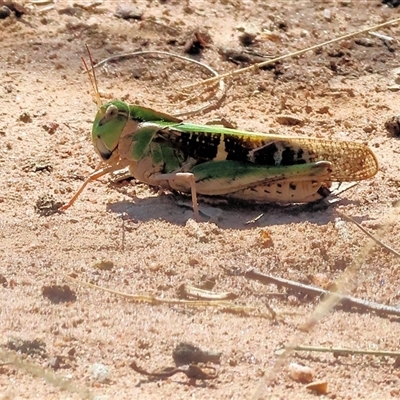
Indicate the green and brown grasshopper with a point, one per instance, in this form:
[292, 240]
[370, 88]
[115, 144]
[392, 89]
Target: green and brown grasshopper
[164, 151]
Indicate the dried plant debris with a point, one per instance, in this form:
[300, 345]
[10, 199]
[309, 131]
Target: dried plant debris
[289, 120]
[71, 11]
[347, 303]
[197, 43]
[285, 56]
[189, 292]
[30, 347]
[366, 42]
[392, 125]
[55, 363]
[38, 166]
[186, 353]
[338, 351]
[5, 12]
[206, 282]
[3, 281]
[59, 293]
[242, 56]
[247, 38]
[25, 117]
[223, 306]
[78, 9]
[104, 265]
[192, 371]
[129, 11]
[50, 127]
[18, 9]
[89, 6]
[319, 387]
[47, 205]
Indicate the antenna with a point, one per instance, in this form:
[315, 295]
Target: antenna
[92, 77]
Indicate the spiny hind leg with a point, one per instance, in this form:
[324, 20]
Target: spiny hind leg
[285, 192]
[222, 178]
[304, 189]
[312, 185]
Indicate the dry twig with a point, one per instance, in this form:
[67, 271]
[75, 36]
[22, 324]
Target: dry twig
[374, 238]
[194, 292]
[9, 358]
[340, 351]
[219, 95]
[156, 301]
[255, 67]
[345, 302]
[192, 371]
[344, 284]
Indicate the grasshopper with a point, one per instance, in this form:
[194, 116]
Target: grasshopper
[164, 151]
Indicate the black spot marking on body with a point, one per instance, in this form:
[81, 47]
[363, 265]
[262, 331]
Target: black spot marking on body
[237, 148]
[292, 186]
[279, 153]
[265, 155]
[203, 146]
[289, 156]
[292, 156]
[300, 153]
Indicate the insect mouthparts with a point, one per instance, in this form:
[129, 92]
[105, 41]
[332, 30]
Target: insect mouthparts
[103, 151]
[105, 156]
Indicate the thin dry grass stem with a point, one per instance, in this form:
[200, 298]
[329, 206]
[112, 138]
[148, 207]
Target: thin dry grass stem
[255, 67]
[219, 95]
[192, 371]
[189, 291]
[10, 358]
[385, 38]
[374, 238]
[346, 302]
[224, 306]
[340, 351]
[344, 284]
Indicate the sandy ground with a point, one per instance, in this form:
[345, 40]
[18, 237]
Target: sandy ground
[132, 239]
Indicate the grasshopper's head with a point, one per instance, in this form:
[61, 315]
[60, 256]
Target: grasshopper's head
[108, 126]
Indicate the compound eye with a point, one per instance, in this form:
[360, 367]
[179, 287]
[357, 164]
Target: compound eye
[112, 111]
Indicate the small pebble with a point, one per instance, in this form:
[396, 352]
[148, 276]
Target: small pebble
[369, 128]
[99, 372]
[289, 120]
[301, 373]
[127, 11]
[5, 12]
[25, 117]
[319, 387]
[50, 127]
[394, 88]
[327, 14]
[392, 125]
[54, 363]
[247, 38]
